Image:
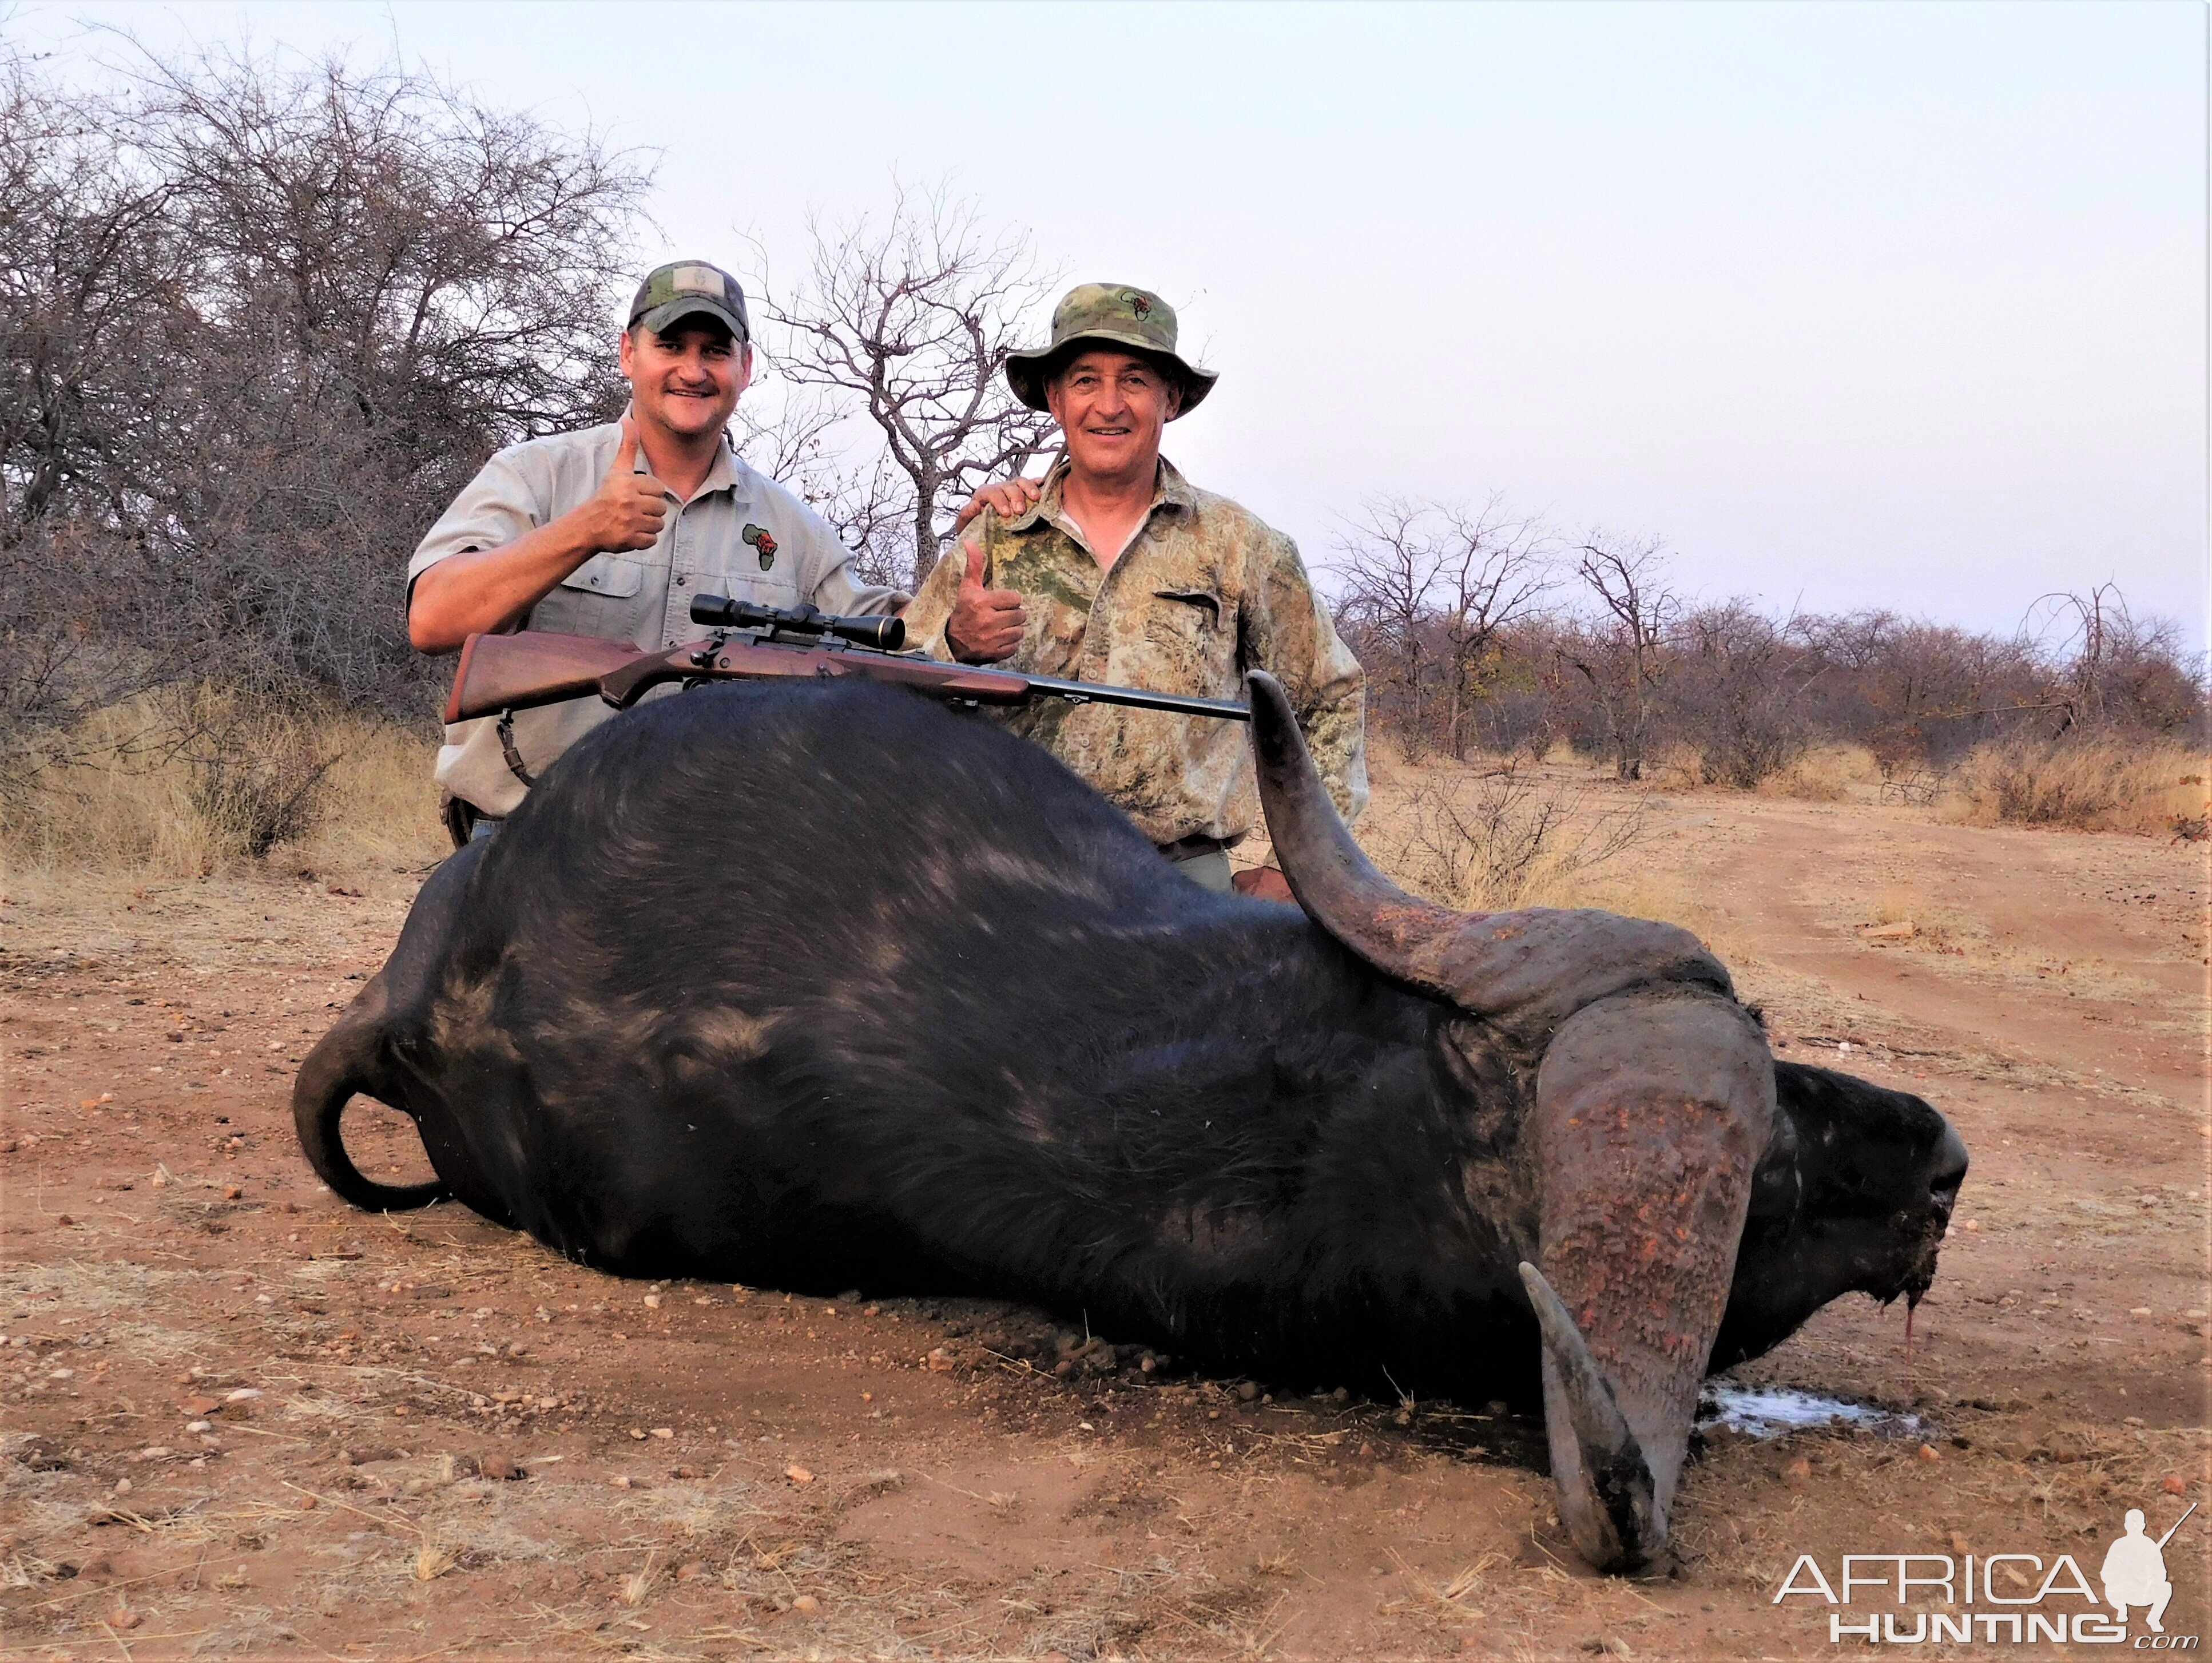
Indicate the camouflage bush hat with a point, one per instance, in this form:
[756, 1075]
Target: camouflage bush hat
[677, 290]
[1113, 314]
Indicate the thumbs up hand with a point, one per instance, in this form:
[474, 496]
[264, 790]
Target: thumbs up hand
[985, 624]
[627, 510]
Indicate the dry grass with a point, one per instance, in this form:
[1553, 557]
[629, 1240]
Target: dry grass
[1672, 767]
[1498, 832]
[129, 809]
[331, 787]
[382, 806]
[1595, 857]
[1827, 773]
[2156, 789]
[1454, 1600]
[432, 1559]
[1901, 915]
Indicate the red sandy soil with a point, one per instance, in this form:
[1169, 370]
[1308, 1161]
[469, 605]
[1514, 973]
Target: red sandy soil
[241, 1418]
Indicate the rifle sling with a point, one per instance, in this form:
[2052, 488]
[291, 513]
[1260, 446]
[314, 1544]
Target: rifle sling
[505, 732]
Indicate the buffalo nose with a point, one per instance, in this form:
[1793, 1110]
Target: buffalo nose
[1947, 1166]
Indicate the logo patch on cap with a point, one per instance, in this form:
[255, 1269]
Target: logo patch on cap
[1138, 304]
[697, 280]
[758, 537]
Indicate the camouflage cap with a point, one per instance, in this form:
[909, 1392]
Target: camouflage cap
[677, 290]
[1113, 314]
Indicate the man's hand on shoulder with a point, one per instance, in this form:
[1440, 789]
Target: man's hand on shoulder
[1009, 499]
[985, 624]
[627, 511]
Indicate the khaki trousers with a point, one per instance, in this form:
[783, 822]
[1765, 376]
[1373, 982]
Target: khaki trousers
[1208, 871]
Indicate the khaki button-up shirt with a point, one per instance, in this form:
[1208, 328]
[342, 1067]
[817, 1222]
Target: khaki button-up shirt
[740, 534]
[1204, 592]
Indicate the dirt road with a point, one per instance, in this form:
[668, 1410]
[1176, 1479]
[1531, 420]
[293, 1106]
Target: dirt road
[241, 1418]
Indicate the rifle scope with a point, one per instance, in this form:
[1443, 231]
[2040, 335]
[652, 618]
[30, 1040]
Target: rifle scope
[886, 634]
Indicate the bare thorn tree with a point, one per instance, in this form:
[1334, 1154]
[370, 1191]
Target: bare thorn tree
[1427, 588]
[2087, 632]
[1500, 835]
[1618, 652]
[915, 316]
[92, 251]
[1739, 689]
[798, 447]
[1491, 569]
[1389, 558]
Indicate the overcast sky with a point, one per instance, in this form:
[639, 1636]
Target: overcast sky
[1855, 305]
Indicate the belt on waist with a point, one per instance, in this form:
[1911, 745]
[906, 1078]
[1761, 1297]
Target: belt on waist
[1197, 845]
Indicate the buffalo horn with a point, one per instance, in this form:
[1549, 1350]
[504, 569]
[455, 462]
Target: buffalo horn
[1603, 1462]
[1400, 934]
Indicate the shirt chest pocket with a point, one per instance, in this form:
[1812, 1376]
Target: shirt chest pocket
[1185, 634]
[598, 598]
[775, 588]
[609, 575]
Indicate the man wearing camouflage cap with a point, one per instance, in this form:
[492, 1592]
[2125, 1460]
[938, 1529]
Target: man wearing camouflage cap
[612, 531]
[1120, 571]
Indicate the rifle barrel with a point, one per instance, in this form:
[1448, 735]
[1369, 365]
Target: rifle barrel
[1142, 698]
[2178, 1524]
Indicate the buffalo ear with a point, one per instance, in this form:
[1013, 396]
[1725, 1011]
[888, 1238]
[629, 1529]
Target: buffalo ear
[1651, 1108]
[1400, 934]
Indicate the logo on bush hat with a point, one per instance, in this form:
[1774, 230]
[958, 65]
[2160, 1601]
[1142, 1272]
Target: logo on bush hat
[1112, 314]
[685, 288]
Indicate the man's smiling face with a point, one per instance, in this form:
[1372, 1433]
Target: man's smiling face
[1111, 407]
[687, 381]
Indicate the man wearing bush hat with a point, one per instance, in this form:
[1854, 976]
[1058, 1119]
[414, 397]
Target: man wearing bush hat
[612, 531]
[1116, 568]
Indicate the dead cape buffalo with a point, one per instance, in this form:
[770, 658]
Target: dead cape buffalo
[828, 986]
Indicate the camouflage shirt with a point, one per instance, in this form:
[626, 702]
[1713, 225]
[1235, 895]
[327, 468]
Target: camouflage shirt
[1204, 592]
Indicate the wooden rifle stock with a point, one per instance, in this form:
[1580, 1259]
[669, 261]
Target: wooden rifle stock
[531, 667]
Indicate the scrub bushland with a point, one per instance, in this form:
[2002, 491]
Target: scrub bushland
[263, 318]
[2103, 784]
[1486, 633]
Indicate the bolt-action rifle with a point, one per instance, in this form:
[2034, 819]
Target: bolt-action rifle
[502, 673]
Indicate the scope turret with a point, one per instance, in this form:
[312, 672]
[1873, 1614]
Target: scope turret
[722, 611]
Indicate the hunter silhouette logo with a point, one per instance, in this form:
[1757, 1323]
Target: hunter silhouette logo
[758, 537]
[2134, 1572]
[2009, 1598]
[1138, 304]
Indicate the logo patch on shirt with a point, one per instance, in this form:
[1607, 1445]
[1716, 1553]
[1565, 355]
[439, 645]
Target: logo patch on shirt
[758, 537]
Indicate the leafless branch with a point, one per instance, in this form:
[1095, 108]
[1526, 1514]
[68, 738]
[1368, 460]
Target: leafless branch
[911, 316]
[1617, 655]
